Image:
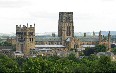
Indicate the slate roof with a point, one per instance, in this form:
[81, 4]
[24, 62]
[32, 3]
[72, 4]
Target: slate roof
[105, 54]
[88, 45]
[88, 38]
[6, 47]
[83, 39]
[47, 38]
[49, 46]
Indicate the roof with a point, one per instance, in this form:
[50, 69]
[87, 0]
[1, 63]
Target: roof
[47, 38]
[105, 53]
[68, 39]
[18, 53]
[44, 49]
[49, 46]
[6, 47]
[88, 38]
[88, 45]
[83, 39]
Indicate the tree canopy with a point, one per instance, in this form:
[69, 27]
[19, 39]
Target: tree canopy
[54, 64]
[100, 48]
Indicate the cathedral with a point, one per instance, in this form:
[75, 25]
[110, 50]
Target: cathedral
[64, 41]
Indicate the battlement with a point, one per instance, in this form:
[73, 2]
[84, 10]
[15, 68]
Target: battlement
[66, 17]
[65, 13]
[24, 27]
[19, 26]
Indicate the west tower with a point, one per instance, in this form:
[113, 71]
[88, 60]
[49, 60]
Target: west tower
[65, 25]
[25, 38]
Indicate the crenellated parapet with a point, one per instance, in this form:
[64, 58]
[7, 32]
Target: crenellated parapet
[21, 28]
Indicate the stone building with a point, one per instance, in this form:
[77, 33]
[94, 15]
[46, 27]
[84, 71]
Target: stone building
[66, 35]
[65, 26]
[25, 38]
[11, 40]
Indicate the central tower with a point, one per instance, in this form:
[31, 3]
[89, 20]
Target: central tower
[65, 25]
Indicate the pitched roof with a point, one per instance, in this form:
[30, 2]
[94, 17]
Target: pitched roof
[49, 46]
[105, 53]
[88, 38]
[47, 38]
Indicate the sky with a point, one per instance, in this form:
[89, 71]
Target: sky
[88, 15]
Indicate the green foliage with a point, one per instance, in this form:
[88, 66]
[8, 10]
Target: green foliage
[55, 64]
[72, 57]
[5, 44]
[114, 50]
[8, 44]
[105, 64]
[100, 48]
[7, 64]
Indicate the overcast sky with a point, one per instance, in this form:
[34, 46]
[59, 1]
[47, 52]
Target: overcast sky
[89, 15]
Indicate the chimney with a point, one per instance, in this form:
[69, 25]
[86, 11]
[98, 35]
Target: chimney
[93, 33]
[109, 39]
[100, 37]
[53, 34]
[34, 24]
[84, 34]
[27, 24]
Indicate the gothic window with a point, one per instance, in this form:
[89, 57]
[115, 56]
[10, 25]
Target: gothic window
[76, 46]
[24, 39]
[68, 31]
[30, 33]
[30, 39]
[19, 33]
[24, 33]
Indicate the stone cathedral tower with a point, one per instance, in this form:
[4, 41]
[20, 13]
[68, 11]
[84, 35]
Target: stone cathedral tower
[25, 38]
[65, 25]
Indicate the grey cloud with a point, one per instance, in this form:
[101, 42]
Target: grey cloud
[13, 3]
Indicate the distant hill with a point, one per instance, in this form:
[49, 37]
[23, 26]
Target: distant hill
[105, 33]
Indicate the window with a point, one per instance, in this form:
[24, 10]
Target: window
[25, 33]
[68, 31]
[30, 39]
[30, 33]
[24, 39]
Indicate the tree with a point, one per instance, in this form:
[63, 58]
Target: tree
[114, 50]
[100, 48]
[104, 64]
[5, 44]
[7, 64]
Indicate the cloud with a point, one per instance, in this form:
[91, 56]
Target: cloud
[13, 3]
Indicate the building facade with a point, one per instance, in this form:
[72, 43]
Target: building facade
[25, 38]
[65, 26]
